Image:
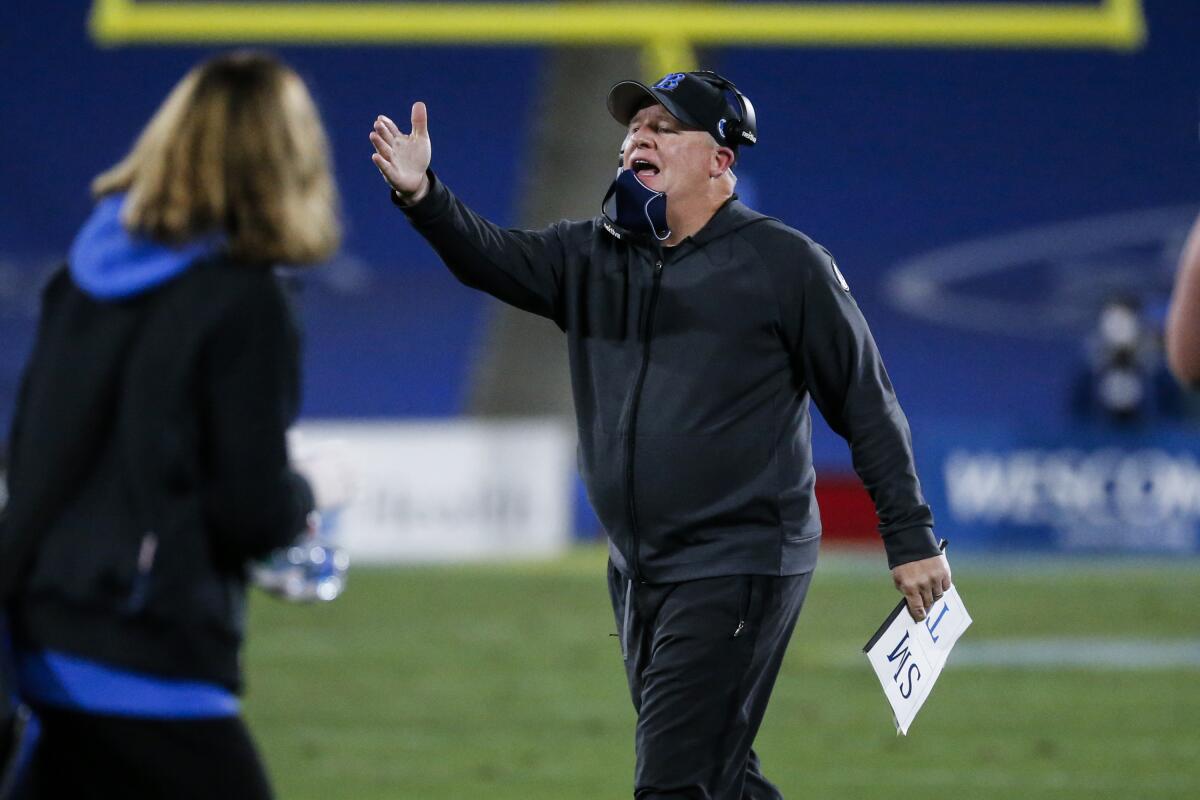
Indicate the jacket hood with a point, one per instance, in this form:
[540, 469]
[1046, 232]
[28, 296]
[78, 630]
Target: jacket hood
[109, 263]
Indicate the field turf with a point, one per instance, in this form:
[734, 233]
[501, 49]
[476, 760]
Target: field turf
[502, 681]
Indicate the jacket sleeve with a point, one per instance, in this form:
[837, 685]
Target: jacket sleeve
[253, 502]
[522, 268]
[834, 351]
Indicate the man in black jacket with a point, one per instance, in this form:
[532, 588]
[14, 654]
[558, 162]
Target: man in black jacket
[697, 331]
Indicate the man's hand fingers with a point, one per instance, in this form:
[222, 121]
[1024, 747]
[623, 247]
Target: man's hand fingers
[391, 126]
[386, 170]
[384, 132]
[403, 159]
[922, 582]
[915, 607]
[919, 595]
[382, 147]
[420, 120]
[381, 164]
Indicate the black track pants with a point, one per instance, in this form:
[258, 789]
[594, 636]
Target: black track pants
[701, 660]
[87, 756]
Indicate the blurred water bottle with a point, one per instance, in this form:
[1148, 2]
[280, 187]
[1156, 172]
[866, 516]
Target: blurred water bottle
[312, 569]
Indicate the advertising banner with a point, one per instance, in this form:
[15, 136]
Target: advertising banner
[458, 490]
[1090, 490]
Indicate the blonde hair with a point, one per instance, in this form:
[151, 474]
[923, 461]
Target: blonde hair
[238, 150]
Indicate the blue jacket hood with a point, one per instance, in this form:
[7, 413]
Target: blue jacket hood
[109, 263]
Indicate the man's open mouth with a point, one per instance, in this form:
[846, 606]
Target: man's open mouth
[643, 168]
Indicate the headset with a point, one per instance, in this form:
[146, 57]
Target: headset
[743, 130]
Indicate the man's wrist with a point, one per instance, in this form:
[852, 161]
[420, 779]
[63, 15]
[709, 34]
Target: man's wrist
[406, 199]
[910, 544]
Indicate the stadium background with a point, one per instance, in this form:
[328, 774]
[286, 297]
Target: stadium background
[984, 194]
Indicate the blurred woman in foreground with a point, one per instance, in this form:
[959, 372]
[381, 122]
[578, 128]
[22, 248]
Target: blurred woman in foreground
[149, 465]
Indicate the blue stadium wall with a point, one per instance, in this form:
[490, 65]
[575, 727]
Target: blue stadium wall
[981, 202]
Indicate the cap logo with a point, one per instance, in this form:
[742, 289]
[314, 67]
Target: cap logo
[721, 127]
[671, 81]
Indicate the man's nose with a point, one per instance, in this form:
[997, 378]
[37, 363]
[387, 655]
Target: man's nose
[642, 140]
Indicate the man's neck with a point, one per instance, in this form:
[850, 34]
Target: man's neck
[687, 217]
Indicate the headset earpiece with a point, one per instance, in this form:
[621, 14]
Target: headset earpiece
[747, 128]
[743, 130]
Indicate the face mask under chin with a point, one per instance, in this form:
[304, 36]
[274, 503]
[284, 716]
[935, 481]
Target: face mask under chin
[636, 207]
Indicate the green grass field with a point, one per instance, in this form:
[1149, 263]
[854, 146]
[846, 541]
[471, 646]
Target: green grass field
[503, 682]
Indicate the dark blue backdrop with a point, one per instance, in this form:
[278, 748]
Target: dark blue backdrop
[883, 155]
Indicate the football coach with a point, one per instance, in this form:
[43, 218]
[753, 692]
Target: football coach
[697, 331]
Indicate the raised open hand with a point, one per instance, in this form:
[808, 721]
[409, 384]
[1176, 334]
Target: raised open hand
[401, 158]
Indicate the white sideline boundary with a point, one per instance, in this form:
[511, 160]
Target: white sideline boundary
[1096, 654]
[1119, 654]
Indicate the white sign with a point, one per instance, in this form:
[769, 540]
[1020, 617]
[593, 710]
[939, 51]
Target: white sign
[461, 490]
[908, 656]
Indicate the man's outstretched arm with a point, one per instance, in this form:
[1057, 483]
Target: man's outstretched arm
[522, 268]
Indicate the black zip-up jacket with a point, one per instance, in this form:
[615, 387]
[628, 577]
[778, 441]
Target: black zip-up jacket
[148, 467]
[692, 368]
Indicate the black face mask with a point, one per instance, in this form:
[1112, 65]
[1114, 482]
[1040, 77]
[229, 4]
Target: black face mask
[638, 208]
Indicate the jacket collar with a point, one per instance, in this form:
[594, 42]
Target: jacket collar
[732, 215]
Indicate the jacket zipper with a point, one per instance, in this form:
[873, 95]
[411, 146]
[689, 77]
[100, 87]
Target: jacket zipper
[633, 414]
[141, 580]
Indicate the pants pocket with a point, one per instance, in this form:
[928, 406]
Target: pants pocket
[745, 601]
[620, 590]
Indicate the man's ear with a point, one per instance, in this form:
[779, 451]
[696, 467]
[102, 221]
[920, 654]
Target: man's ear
[723, 158]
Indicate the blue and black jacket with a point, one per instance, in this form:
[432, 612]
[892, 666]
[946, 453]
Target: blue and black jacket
[148, 459]
[692, 369]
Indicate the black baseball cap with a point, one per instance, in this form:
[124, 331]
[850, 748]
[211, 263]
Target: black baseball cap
[701, 100]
